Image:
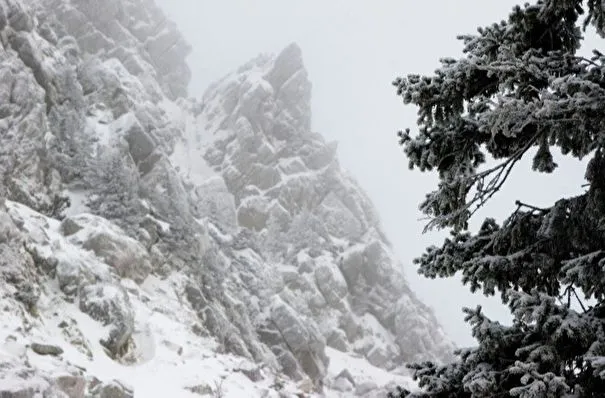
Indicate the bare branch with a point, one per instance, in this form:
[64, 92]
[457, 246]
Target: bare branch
[521, 204]
[579, 300]
[484, 191]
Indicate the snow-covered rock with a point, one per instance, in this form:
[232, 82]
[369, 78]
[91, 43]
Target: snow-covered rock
[127, 257]
[214, 241]
[110, 305]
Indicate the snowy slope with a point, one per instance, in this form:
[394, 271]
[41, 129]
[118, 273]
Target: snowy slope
[167, 357]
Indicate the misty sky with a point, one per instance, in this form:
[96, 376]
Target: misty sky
[353, 50]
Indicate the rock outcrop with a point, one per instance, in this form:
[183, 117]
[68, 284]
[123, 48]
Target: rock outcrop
[312, 223]
[144, 213]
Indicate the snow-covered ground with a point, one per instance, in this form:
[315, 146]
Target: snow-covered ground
[167, 357]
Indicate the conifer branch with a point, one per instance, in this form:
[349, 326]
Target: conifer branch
[483, 194]
[520, 204]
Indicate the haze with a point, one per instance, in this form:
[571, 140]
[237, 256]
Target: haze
[353, 50]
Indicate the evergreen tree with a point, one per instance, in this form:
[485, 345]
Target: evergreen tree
[114, 188]
[520, 85]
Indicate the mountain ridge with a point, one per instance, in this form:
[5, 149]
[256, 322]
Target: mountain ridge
[121, 189]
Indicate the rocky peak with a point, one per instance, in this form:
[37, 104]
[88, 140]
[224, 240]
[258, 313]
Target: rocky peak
[272, 88]
[285, 65]
[309, 220]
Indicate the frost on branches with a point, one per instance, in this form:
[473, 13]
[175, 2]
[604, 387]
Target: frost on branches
[521, 85]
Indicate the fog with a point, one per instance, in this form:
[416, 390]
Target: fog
[353, 50]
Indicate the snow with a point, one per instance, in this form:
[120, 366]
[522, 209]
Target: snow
[156, 335]
[216, 232]
[370, 322]
[78, 199]
[164, 343]
[189, 160]
[361, 370]
[188, 153]
[101, 130]
[164, 226]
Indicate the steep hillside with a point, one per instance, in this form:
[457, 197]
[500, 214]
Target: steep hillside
[145, 235]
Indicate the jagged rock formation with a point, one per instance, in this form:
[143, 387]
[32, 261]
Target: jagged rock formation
[115, 179]
[310, 221]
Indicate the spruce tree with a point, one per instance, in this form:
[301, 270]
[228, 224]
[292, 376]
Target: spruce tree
[113, 180]
[520, 88]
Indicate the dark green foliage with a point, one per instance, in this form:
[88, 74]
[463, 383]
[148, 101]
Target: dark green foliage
[520, 85]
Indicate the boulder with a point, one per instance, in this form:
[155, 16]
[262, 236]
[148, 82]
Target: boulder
[127, 256]
[73, 386]
[113, 389]
[292, 166]
[140, 143]
[376, 258]
[8, 230]
[164, 188]
[261, 176]
[379, 356]
[196, 298]
[17, 381]
[72, 274]
[110, 305]
[364, 388]
[288, 362]
[18, 392]
[338, 340]
[47, 32]
[352, 328]
[200, 389]
[331, 283]
[253, 95]
[305, 343]
[252, 217]
[340, 221]
[343, 385]
[46, 349]
[321, 156]
[351, 266]
[253, 374]
[18, 270]
[70, 227]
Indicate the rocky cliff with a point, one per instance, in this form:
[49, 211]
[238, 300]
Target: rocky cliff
[215, 238]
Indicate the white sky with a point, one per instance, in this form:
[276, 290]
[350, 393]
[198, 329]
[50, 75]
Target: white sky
[353, 50]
